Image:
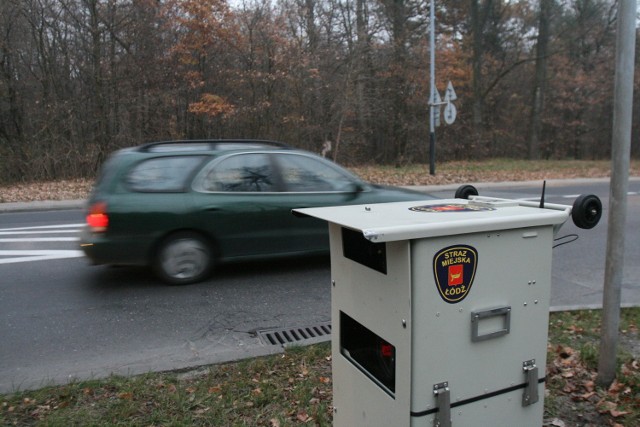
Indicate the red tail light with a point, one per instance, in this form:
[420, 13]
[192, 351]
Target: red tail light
[97, 218]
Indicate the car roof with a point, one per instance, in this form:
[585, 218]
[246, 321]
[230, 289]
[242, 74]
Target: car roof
[209, 145]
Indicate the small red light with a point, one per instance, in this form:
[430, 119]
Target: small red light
[97, 218]
[386, 350]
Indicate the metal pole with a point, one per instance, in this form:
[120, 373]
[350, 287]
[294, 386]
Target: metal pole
[432, 96]
[620, 153]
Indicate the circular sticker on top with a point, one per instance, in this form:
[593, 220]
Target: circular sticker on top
[451, 207]
[454, 269]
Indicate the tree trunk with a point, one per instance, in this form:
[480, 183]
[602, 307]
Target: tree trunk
[540, 81]
[476, 65]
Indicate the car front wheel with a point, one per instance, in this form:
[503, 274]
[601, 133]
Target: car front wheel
[183, 258]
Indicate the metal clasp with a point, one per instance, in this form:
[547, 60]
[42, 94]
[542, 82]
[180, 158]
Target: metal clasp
[443, 400]
[530, 395]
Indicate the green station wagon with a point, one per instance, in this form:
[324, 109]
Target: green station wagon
[181, 207]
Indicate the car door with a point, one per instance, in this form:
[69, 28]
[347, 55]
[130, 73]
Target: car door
[310, 181]
[237, 199]
[148, 202]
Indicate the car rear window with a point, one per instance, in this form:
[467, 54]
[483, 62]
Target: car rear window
[107, 171]
[162, 174]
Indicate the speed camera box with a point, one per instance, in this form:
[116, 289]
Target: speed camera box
[440, 311]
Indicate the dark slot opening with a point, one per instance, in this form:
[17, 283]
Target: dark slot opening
[368, 352]
[356, 248]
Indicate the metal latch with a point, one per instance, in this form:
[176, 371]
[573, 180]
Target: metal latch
[530, 395]
[443, 400]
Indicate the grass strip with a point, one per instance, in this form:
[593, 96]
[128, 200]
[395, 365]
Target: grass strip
[294, 388]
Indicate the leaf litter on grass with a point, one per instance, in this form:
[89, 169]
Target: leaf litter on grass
[295, 388]
[457, 172]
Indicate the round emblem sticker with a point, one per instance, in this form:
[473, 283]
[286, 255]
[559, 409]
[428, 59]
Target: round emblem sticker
[454, 269]
[450, 207]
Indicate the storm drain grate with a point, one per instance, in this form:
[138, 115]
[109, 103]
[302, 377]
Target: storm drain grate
[298, 335]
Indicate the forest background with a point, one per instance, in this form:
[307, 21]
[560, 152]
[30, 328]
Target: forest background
[82, 78]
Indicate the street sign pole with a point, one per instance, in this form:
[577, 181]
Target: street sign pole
[620, 155]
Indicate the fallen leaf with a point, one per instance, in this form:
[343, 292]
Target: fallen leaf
[575, 329]
[611, 408]
[556, 422]
[587, 396]
[616, 414]
[303, 417]
[616, 387]
[589, 385]
[564, 351]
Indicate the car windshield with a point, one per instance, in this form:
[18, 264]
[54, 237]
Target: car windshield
[306, 174]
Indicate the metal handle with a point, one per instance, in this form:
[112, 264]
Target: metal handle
[478, 316]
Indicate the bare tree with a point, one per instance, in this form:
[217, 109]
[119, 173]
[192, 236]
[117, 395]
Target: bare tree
[540, 79]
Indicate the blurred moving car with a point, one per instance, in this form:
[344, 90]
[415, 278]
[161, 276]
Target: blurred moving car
[181, 207]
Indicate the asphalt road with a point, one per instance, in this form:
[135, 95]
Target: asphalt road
[61, 318]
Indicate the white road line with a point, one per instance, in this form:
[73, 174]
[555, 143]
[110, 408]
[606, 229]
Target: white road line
[40, 239]
[44, 227]
[27, 256]
[23, 233]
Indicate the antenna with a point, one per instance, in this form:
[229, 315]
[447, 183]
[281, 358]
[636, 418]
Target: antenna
[544, 186]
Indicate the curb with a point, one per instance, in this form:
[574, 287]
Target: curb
[503, 184]
[49, 205]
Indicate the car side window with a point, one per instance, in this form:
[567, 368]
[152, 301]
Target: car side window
[250, 172]
[162, 174]
[306, 174]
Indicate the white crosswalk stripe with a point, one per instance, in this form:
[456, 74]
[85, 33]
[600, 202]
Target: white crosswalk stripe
[27, 244]
[25, 256]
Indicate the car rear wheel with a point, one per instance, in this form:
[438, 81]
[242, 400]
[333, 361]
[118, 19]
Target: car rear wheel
[184, 258]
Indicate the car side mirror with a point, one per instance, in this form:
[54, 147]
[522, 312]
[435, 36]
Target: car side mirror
[356, 187]
[353, 190]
